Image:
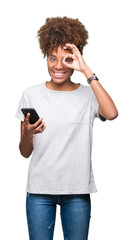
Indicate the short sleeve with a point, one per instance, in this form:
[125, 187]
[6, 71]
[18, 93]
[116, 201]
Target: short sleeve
[22, 104]
[95, 106]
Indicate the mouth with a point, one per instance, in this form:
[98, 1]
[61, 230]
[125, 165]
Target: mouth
[58, 74]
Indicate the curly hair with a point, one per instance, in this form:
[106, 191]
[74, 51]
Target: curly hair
[59, 31]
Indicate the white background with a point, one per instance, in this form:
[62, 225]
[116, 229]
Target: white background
[109, 54]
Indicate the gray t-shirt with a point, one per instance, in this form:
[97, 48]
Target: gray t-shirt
[61, 158]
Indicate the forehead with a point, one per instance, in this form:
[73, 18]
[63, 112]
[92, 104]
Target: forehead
[60, 52]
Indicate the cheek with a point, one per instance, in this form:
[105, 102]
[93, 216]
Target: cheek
[71, 71]
[49, 70]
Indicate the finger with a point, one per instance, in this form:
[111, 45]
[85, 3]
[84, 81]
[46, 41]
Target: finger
[40, 126]
[74, 49]
[26, 119]
[68, 57]
[69, 65]
[71, 46]
[68, 60]
[37, 123]
[40, 129]
[68, 45]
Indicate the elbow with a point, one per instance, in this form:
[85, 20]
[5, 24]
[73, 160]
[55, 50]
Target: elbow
[24, 155]
[113, 115]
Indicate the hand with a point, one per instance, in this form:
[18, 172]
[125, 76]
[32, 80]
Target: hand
[31, 129]
[78, 62]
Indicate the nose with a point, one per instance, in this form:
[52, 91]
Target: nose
[59, 64]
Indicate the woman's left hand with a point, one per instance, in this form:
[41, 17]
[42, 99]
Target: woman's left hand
[78, 62]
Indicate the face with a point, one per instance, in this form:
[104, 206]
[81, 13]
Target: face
[58, 71]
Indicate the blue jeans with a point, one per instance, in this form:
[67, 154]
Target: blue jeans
[75, 213]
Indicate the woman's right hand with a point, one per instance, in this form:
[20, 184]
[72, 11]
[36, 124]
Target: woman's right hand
[31, 129]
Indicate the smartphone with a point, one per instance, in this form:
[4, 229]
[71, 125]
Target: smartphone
[33, 115]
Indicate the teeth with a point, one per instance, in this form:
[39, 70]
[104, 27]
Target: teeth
[59, 74]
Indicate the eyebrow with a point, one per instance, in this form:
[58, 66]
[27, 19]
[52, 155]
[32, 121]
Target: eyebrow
[52, 55]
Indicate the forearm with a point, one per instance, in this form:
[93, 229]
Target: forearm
[26, 146]
[106, 104]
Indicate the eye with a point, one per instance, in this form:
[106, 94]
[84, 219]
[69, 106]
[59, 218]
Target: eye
[52, 59]
[69, 60]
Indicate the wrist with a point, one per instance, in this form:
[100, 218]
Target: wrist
[27, 136]
[87, 72]
[92, 78]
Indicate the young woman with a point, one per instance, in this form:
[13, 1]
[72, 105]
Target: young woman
[60, 170]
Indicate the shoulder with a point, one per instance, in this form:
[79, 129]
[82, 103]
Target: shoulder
[87, 90]
[32, 89]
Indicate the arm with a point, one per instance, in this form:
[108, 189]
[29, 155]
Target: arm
[26, 143]
[107, 108]
[27, 133]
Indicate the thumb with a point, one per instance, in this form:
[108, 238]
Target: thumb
[68, 60]
[27, 117]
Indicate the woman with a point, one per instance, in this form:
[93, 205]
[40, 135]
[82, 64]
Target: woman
[60, 170]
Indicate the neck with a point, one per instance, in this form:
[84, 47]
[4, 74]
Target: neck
[63, 86]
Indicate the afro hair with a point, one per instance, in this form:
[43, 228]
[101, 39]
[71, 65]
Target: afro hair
[59, 31]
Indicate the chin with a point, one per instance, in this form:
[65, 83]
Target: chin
[59, 81]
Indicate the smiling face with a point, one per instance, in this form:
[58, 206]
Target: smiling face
[58, 71]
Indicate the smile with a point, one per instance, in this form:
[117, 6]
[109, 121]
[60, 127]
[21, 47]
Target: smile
[58, 74]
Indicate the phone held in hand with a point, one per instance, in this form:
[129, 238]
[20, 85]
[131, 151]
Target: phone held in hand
[33, 115]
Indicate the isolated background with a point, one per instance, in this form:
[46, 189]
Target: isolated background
[109, 54]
